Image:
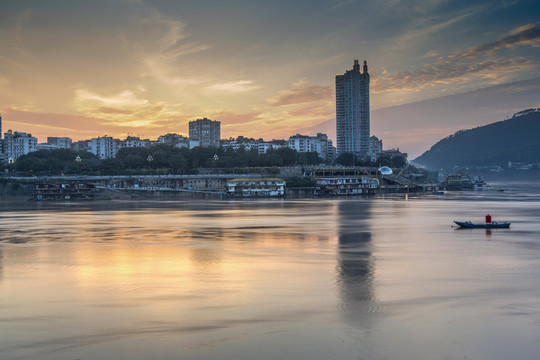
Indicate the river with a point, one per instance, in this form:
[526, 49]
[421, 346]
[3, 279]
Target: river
[382, 277]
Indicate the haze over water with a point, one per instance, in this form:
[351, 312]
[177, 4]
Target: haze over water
[359, 278]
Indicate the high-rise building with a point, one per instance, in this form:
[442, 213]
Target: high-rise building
[205, 132]
[352, 111]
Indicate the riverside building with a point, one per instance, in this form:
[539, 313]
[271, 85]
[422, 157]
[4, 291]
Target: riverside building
[104, 147]
[204, 132]
[17, 143]
[352, 111]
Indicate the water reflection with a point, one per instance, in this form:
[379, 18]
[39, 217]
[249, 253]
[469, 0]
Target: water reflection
[355, 261]
[261, 279]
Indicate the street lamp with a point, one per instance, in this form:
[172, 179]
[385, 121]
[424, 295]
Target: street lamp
[78, 161]
[149, 159]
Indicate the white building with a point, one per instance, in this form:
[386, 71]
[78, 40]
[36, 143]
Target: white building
[16, 144]
[104, 147]
[174, 140]
[81, 145]
[319, 144]
[240, 143]
[54, 143]
[264, 146]
[133, 141]
[60, 142]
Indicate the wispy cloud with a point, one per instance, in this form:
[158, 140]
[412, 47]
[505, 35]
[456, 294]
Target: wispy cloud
[123, 109]
[232, 118]
[525, 35]
[312, 111]
[479, 61]
[302, 92]
[124, 98]
[159, 44]
[234, 86]
[423, 27]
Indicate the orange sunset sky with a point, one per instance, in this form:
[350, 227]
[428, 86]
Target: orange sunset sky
[264, 69]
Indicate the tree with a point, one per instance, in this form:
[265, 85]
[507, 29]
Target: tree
[385, 161]
[273, 160]
[288, 155]
[51, 162]
[178, 162]
[308, 158]
[347, 159]
[133, 161]
[111, 166]
[399, 161]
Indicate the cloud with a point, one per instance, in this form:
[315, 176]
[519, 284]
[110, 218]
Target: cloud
[298, 107]
[312, 111]
[234, 86]
[122, 109]
[108, 110]
[125, 98]
[302, 92]
[476, 62]
[229, 117]
[3, 82]
[525, 35]
[159, 44]
[431, 53]
[48, 124]
[423, 26]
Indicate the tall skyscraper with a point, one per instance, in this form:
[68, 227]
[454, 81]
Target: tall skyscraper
[352, 111]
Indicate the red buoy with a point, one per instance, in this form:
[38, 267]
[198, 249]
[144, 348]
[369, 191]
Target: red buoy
[488, 219]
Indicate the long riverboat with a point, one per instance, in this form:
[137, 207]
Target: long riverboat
[56, 192]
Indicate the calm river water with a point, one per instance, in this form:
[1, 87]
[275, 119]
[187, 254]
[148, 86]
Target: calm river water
[366, 278]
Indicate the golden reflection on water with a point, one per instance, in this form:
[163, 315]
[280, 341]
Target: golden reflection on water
[318, 279]
[133, 256]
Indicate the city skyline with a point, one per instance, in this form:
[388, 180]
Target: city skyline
[261, 69]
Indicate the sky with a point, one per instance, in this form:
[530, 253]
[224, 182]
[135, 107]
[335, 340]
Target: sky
[265, 69]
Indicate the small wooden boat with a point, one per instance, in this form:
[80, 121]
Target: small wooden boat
[492, 225]
[487, 225]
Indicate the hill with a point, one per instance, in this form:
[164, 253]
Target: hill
[516, 139]
[415, 127]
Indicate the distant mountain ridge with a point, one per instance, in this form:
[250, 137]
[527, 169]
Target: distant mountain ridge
[516, 139]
